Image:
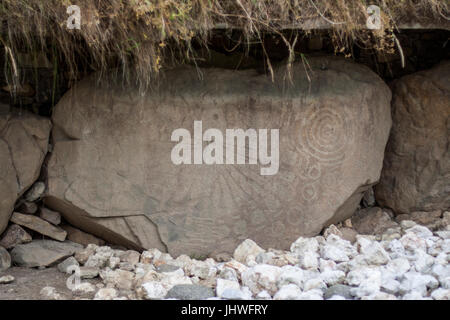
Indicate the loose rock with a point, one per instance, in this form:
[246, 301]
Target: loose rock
[39, 225]
[83, 255]
[372, 221]
[36, 192]
[89, 272]
[81, 237]
[190, 292]
[372, 251]
[223, 285]
[13, 236]
[245, 249]
[5, 259]
[288, 292]
[130, 256]
[106, 294]
[338, 290]
[50, 216]
[28, 208]
[6, 279]
[152, 290]
[261, 277]
[84, 288]
[41, 253]
[67, 265]
[50, 293]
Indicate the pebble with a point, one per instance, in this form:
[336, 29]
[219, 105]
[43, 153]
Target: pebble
[292, 275]
[421, 231]
[373, 252]
[315, 283]
[288, 292]
[406, 224]
[441, 294]
[336, 297]
[50, 293]
[84, 288]
[83, 255]
[106, 294]
[228, 273]
[339, 290]
[67, 265]
[5, 259]
[417, 283]
[35, 192]
[246, 248]
[89, 272]
[337, 249]
[153, 290]
[262, 277]
[6, 279]
[130, 256]
[120, 279]
[408, 261]
[190, 292]
[200, 269]
[311, 295]
[237, 294]
[223, 285]
[332, 277]
[263, 295]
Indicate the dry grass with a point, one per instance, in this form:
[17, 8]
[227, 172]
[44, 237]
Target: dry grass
[137, 38]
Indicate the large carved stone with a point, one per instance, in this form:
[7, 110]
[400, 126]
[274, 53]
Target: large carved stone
[416, 171]
[23, 146]
[111, 172]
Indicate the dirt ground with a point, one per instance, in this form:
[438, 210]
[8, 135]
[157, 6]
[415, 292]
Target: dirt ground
[29, 282]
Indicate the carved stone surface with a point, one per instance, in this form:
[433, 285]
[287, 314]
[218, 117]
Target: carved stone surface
[23, 146]
[416, 171]
[111, 172]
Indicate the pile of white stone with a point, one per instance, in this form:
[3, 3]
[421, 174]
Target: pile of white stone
[406, 262]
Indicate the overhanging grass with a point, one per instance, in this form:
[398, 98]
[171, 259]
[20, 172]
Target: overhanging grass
[138, 38]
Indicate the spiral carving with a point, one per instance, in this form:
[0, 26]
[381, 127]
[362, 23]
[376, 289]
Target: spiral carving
[324, 134]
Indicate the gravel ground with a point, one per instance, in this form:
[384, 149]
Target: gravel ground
[405, 262]
[29, 282]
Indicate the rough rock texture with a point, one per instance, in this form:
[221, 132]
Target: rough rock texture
[372, 221]
[434, 220]
[416, 171]
[246, 248]
[37, 224]
[6, 279]
[41, 253]
[189, 292]
[27, 207]
[78, 236]
[50, 216]
[13, 236]
[5, 259]
[111, 174]
[411, 265]
[23, 146]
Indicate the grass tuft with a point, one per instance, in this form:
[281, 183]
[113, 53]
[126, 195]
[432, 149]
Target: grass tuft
[139, 38]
